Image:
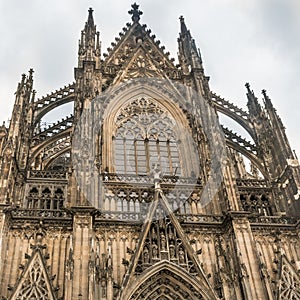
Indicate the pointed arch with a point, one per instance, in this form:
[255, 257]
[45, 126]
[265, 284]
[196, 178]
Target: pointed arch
[64, 153]
[255, 160]
[169, 104]
[165, 280]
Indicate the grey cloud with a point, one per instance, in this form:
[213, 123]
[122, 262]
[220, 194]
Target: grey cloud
[256, 41]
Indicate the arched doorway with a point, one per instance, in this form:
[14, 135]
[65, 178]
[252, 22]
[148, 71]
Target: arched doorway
[166, 281]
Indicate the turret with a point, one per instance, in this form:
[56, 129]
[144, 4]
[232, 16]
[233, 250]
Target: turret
[254, 107]
[16, 146]
[189, 56]
[88, 73]
[89, 43]
[277, 127]
[24, 95]
[263, 134]
[190, 59]
[288, 165]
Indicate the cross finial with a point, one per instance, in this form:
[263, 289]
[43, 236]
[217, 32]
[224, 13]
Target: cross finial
[135, 12]
[247, 85]
[264, 92]
[90, 17]
[182, 25]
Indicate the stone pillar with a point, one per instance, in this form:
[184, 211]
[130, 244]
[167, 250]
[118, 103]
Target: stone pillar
[3, 229]
[82, 232]
[247, 258]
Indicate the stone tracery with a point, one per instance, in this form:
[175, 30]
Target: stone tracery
[145, 134]
[95, 242]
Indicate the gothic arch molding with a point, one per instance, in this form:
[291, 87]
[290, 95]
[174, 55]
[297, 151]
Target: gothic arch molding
[165, 281]
[124, 98]
[254, 159]
[238, 119]
[51, 159]
[39, 148]
[49, 107]
[130, 90]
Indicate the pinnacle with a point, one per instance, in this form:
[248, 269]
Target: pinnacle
[247, 85]
[182, 25]
[90, 21]
[267, 100]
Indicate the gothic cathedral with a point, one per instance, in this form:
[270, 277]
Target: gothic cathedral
[141, 193]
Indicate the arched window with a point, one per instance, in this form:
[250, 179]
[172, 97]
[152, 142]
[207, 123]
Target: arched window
[146, 135]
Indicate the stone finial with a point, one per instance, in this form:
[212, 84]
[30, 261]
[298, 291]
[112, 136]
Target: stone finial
[267, 100]
[247, 85]
[183, 27]
[135, 12]
[90, 17]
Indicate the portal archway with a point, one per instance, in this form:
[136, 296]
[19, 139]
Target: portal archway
[167, 281]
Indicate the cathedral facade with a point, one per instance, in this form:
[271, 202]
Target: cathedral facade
[142, 193]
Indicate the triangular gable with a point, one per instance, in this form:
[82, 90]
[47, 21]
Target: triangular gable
[140, 65]
[288, 281]
[135, 37]
[34, 282]
[163, 239]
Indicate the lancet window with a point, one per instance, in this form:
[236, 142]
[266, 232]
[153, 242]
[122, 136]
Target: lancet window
[40, 197]
[256, 203]
[146, 136]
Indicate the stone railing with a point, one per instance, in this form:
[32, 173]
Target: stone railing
[281, 220]
[252, 183]
[41, 174]
[201, 218]
[122, 216]
[145, 179]
[39, 213]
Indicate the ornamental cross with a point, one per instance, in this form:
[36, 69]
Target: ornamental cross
[135, 12]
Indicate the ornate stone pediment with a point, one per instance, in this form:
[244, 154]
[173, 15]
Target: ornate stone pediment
[162, 239]
[288, 281]
[34, 282]
[136, 53]
[141, 64]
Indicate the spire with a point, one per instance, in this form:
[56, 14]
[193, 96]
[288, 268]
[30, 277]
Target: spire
[253, 105]
[189, 55]
[278, 126]
[135, 12]
[88, 73]
[271, 110]
[267, 100]
[183, 28]
[90, 21]
[89, 44]
[24, 91]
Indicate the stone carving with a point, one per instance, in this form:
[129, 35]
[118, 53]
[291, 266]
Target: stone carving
[34, 281]
[166, 285]
[289, 282]
[39, 192]
[164, 243]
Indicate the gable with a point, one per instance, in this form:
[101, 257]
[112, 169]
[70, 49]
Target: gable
[140, 65]
[34, 282]
[136, 49]
[162, 239]
[288, 282]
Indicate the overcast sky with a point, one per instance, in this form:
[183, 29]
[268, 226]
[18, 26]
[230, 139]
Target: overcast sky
[255, 41]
